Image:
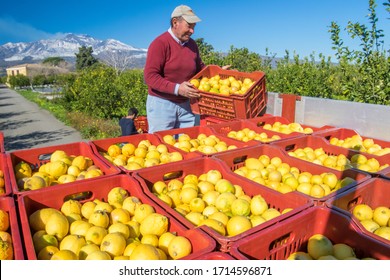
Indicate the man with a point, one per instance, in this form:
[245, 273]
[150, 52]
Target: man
[172, 59]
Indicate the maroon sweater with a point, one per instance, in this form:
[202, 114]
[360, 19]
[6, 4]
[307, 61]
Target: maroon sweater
[168, 63]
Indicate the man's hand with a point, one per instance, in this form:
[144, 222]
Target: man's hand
[188, 90]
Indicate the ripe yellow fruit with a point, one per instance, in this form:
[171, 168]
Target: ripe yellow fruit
[95, 235]
[87, 208]
[258, 205]
[119, 215]
[369, 225]
[47, 252]
[71, 206]
[114, 150]
[79, 227]
[128, 149]
[363, 212]
[270, 213]
[142, 211]
[240, 207]
[150, 239]
[224, 201]
[343, 251]
[215, 225]
[381, 215]
[130, 203]
[87, 249]
[99, 218]
[58, 155]
[144, 252]
[34, 183]
[4, 220]
[238, 224]
[154, 223]
[39, 218]
[73, 243]
[114, 244]
[57, 168]
[117, 195]
[383, 232]
[179, 247]
[319, 245]
[98, 255]
[57, 225]
[64, 255]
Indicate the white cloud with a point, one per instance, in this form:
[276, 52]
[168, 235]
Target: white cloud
[14, 31]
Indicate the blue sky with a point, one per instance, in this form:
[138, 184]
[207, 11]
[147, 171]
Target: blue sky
[299, 26]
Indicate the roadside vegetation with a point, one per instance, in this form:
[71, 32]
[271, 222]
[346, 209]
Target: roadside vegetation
[97, 95]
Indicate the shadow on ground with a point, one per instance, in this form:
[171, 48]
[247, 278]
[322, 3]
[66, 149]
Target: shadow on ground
[29, 140]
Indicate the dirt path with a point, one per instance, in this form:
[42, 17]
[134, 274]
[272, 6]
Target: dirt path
[25, 125]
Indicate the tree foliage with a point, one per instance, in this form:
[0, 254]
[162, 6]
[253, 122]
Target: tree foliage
[53, 61]
[84, 58]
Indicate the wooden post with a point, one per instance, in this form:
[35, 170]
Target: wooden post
[288, 106]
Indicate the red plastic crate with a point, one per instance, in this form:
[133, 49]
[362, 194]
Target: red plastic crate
[236, 159]
[39, 156]
[194, 131]
[292, 235]
[216, 256]
[2, 149]
[344, 133]
[141, 122]
[8, 204]
[5, 169]
[201, 165]
[374, 192]
[28, 203]
[210, 120]
[101, 146]
[251, 104]
[236, 125]
[314, 142]
[270, 119]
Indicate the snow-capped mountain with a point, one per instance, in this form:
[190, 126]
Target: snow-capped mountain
[65, 47]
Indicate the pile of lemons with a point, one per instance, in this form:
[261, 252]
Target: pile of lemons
[280, 176]
[246, 134]
[121, 228]
[223, 86]
[136, 156]
[211, 200]
[320, 247]
[356, 142]
[288, 128]
[60, 169]
[375, 220]
[338, 162]
[206, 144]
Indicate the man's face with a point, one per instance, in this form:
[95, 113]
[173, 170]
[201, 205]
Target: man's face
[182, 29]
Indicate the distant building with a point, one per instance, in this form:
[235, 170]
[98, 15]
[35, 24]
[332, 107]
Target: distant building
[31, 70]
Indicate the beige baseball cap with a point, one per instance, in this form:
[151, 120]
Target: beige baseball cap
[185, 12]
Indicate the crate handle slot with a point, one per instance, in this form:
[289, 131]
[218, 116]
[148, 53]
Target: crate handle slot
[281, 241]
[290, 147]
[45, 157]
[260, 123]
[355, 201]
[172, 175]
[240, 159]
[79, 196]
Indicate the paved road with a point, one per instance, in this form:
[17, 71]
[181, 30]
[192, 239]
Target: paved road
[25, 125]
